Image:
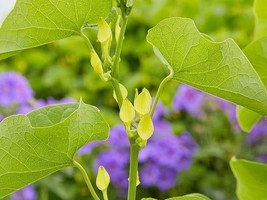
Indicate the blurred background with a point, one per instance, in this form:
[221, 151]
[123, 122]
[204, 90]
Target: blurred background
[195, 134]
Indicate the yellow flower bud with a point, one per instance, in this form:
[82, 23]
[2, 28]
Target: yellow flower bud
[145, 127]
[102, 179]
[118, 29]
[127, 112]
[104, 32]
[123, 90]
[96, 63]
[142, 102]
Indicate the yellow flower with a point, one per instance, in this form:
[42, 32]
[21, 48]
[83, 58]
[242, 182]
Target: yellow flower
[102, 179]
[145, 127]
[127, 112]
[142, 102]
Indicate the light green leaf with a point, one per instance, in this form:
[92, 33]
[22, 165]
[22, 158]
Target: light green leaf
[257, 54]
[37, 22]
[247, 118]
[44, 141]
[260, 18]
[251, 179]
[190, 197]
[218, 68]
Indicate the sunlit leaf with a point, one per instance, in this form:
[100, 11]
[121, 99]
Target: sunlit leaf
[44, 141]
[218, 68]
[37, 22]
[251, 179]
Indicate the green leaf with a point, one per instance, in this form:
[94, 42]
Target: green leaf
[37, 22]
[257, 54]
[218, 68]
[247, 118]
[251, 179]
[260, 18]
[44, 141]
[190, 197]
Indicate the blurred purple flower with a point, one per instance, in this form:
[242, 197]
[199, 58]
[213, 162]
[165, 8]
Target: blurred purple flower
[160, 112]
[230, 110]
[27, 193]
[166, 179]
[1, 117]
[14, 89]
[258, 133]
[149, 174]
[115, 162]
[188, 99]
[118, 137]
[25, 108]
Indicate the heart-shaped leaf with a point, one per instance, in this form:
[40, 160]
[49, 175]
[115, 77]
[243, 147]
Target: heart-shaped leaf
[251, 179]
[218, 68]
[37, 22]
[44, 141]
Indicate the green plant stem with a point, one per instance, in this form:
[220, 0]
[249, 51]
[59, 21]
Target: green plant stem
[87, 180]
[116, 87]
[116, 66]
[161, 86]
[87, 40]
[133, 171]
[105, 195]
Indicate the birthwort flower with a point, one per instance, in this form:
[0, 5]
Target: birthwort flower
[14, 89]
[189, 99]
[27, 193]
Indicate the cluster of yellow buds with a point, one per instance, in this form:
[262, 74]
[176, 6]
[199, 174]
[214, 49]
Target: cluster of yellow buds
[139, 113]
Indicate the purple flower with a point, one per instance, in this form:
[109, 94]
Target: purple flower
[86, 149]
[188, 99]
[258, 133]
[149, 174]
[1, 117]
[166, 179]
[25, 108]
[115, 161]
[14, 89]
[160, 112]
[230, 111]
[118, 137]
[27, 193]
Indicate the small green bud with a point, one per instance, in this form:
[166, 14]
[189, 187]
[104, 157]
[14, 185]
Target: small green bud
[127, 112]
[96, 63]
[123, 90]
[145, 127]
[102, 179]
[143, 102]
[104, 32]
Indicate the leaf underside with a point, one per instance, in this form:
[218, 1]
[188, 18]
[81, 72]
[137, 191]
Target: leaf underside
[44, 141]
[218, 68]
[37, 22]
